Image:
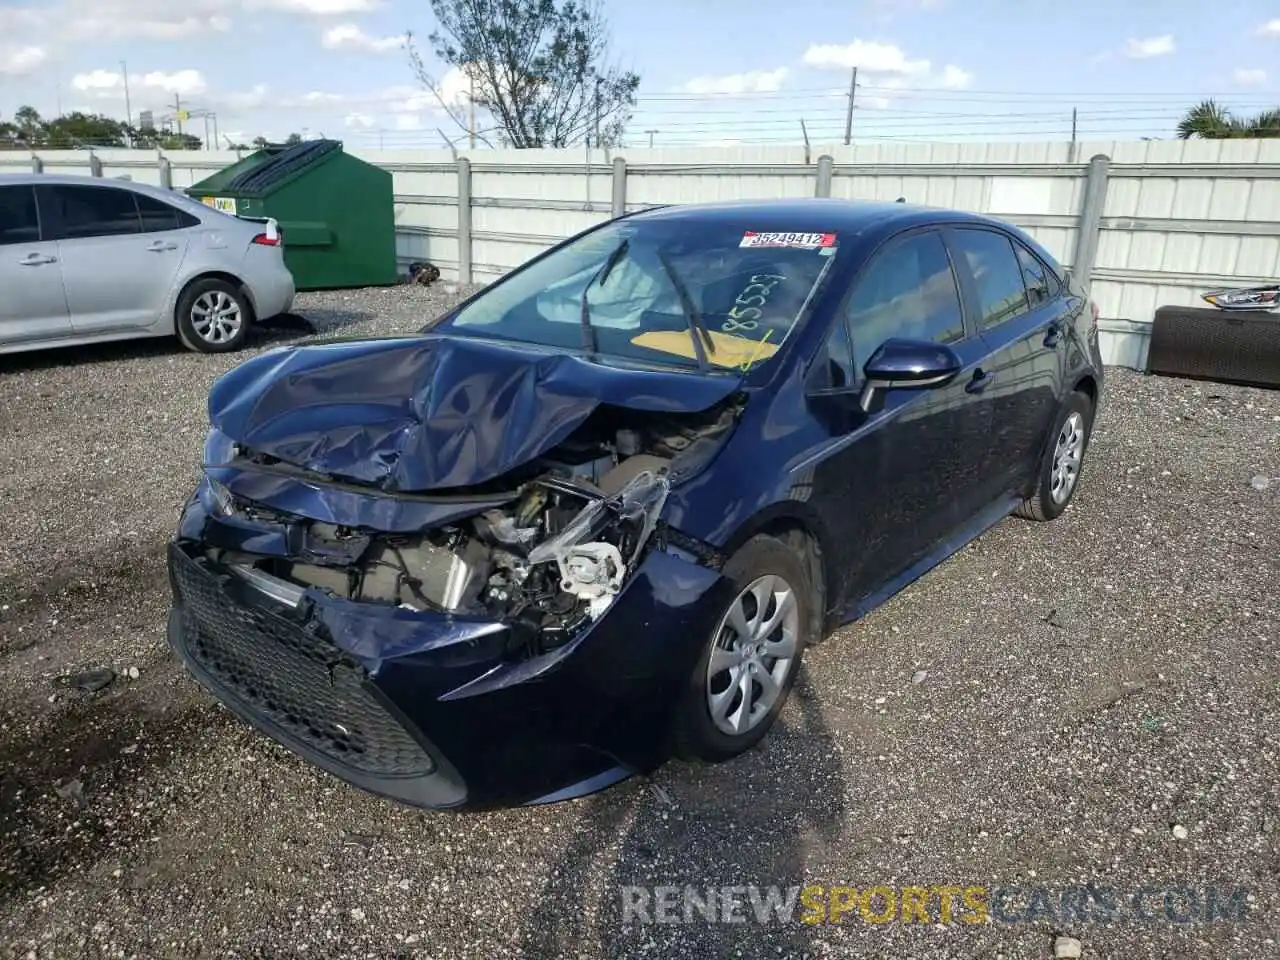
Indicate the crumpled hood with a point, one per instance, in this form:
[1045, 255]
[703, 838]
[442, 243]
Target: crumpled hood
[432, 412]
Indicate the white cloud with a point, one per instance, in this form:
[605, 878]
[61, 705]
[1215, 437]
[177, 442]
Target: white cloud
[866, 55]
[455, 88]
[408, 121]
[16, 61]
[348, 36]
[184, 82]
[1270, 29]
[246, 99]
[1249, 77]
[109, 83]
[358, 121]
[99, 20]
[953, 78]
[315, 8]
[97, 80]
[13, 19]
[754, 81]
[320, 97]
[1149, 47]
[885, 66]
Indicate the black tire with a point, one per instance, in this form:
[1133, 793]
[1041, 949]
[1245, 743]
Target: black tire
[696, 735]
[1041, 505]
[185, 323]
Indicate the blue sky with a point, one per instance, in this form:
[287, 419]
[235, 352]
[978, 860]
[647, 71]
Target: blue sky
[713, 71]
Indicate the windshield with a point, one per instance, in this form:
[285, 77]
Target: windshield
[660, 291]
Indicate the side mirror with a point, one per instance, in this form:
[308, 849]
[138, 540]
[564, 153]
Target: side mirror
[907, 363]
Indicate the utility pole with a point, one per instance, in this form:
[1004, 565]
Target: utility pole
[596, 108]
[128, 110]
[471, 105]
[848, 116]
[177, 112]
[651, 133]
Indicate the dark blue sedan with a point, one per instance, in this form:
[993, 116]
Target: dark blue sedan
[593, 516]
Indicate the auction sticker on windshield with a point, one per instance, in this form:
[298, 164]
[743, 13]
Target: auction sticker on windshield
[800, 241]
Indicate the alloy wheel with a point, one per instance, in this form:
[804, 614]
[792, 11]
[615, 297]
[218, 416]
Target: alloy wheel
[754, 651]
[1067, 454]
[216, 316]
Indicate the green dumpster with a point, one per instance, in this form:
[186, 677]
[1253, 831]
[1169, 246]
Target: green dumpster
[336, 212]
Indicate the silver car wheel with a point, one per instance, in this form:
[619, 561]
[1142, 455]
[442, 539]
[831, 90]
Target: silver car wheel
[1067, 454]
[754, 651]
[216, 317]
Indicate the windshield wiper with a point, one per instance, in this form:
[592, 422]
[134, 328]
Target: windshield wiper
[697, 332]
[584, 315]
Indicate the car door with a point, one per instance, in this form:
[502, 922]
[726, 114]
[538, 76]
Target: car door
[117, 276]
[903, 476]
[1020, 318]
[33, 304]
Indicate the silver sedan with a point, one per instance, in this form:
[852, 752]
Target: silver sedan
[84, 259]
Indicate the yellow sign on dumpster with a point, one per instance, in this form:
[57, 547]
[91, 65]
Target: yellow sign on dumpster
[223, 204]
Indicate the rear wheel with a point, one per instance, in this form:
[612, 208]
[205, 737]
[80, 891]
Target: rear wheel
[750, 661]
[1059, 473]
[213, 316]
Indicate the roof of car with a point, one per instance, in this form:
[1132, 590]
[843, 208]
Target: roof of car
[79, 180]
[811, 214]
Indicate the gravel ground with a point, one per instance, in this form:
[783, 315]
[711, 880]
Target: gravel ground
[1053, 706]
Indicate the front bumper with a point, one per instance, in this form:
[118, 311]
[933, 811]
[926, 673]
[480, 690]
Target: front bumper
[426, 708]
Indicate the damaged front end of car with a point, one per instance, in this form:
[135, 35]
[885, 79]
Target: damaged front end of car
[518, 639]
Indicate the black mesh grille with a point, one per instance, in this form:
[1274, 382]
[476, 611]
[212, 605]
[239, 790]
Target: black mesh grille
[1229, 346]
[304, 685]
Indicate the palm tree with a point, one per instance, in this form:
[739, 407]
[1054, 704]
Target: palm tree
[1211, 121]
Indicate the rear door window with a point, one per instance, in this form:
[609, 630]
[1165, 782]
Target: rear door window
[19, 219]
[996, 273]
[909, 291]
[95, 211]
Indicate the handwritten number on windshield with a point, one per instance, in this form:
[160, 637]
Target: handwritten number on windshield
[745, 314]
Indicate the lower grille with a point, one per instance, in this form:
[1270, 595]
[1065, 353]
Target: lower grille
[308, 689]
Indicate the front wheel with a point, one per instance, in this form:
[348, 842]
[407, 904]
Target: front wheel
[213, 316]
[750, 661]
[1059, 472]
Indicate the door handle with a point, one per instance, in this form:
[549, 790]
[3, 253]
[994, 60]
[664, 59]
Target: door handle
[1051, 334]
[979, 382]
[160, 246]
[36, 260]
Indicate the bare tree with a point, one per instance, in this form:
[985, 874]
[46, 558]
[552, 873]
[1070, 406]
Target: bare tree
[539, 68]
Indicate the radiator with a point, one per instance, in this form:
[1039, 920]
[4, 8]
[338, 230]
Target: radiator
[1211, 344]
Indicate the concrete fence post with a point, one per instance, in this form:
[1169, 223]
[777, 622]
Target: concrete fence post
[166, 172]
[619, 186]
[1089, 228]
[464, 220]
[826, 168]
[37, 165]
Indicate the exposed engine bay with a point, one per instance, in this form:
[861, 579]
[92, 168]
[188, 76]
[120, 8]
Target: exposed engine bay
[547, 561]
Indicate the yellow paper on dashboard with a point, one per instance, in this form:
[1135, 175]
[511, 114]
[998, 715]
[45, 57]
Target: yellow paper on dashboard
[729, 351]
